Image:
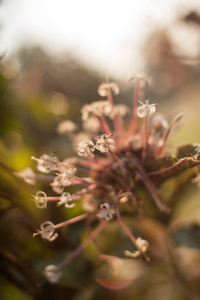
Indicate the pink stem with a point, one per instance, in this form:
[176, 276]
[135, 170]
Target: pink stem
[71, 221]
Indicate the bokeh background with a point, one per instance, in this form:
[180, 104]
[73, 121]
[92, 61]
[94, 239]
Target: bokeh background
[54, 54]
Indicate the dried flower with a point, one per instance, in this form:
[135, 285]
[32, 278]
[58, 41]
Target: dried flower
[40, 199]
[47, 231]
[104, 143]
[27, 175]
[101, 108]
[142, 246]
[52, 274]
[86, 148]
[146, 109]
[119, 110]
[65, 199]
[106, 212]
[63, 179]
[66, 126]
[46, 163]
[91, 124]
[104, 88]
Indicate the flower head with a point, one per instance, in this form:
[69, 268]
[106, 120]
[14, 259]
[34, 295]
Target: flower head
[104, 143]
[142, 246]
[64, 178]
[40, 199]
[66, 126]
[106, 212]
[86, 148]
[104, 88]
[52, 274]
[27, 175]
[65, 199]
[47, 163]
[47, 231]
[146, 109]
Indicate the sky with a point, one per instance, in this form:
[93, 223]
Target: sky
[108, 35]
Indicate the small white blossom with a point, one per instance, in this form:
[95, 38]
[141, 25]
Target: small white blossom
[47, 231]
[104, 143]
[65, 199]
[101, 108]
[91, 124]
[52, 274]
[40, 199]
[86, 148]
[63, 179]
[119, 110]
[85, 111]
[146, 109]
[106, 212]
[143, 247]
[159, 120]
[27, 175]
[47, 163]
[66, 126]
[105, 87]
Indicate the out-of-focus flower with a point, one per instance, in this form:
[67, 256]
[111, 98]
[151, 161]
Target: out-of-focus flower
[142, 246]
[119, 110]
[66, 126]
[46, 163]
[146, 109]
[52, 274]
[106, 212]
[47, 231]
[91, 124]
[63, 179]
[27, 175]
[40, 199]
[86, 148]
[159, 120]
[101, 108]
[104, 143]
[104, 88]
[65, 199]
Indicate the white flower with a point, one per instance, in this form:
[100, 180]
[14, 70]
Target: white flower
[27, 175]
[91, 124]
[52, 274]
[47, 231]
[101, 108]
[119, 110]
[106, 212]
[63, 179]
[47, 163]
[85, 111]
[143, 247]
[146, 109]
[159, 120]
[65, 199]
[86, 148]
[66, 126]
[104, 143]
[105, 87]
[40, 199]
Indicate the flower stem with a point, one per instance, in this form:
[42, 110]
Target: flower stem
[71, 221]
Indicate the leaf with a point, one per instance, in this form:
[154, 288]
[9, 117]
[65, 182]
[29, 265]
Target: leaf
[188, 150]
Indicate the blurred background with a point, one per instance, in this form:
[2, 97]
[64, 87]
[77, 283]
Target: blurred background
[54, 54]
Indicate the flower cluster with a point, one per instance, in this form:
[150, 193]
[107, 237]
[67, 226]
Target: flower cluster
[118, 160]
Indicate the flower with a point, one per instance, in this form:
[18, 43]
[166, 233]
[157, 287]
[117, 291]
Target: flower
[101, 108]
[119, 110]
[64, 178]
[47, 231]
[66, 126]
[142, 246]
[46, 163]
[86, 148]
[106, 212]
[159, 120]
[91, 124]
[40, 199]
[65, 199]
[27, 175]
[146, 109]
[104, 88]
[52, 274]
[104, 143]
